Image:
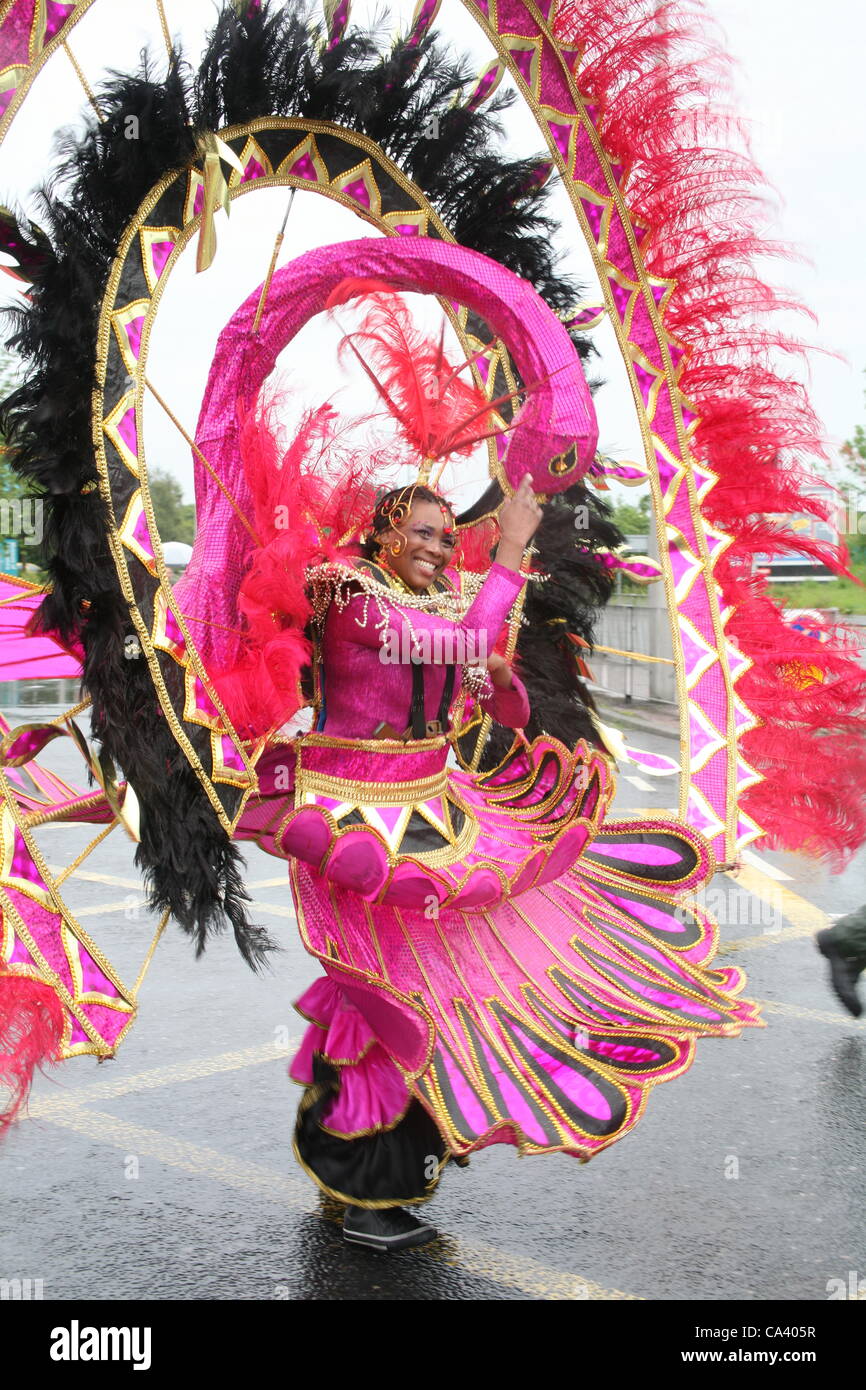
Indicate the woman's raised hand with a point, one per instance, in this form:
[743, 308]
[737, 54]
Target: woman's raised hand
[519, 519]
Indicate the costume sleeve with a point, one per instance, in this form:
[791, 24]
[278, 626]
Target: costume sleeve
[482, 622]
[510, 708]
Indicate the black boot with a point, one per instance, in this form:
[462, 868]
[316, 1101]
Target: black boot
[844, 971]
[385, 1228]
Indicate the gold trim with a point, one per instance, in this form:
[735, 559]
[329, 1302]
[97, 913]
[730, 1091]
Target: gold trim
[36, 61]
[97, 1043]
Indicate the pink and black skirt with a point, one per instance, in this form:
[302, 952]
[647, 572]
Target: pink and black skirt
[501, 965]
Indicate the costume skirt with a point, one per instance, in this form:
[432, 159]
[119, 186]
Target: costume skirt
[527, 983]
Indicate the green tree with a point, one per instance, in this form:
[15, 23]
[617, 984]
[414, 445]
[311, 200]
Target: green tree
[10, 484]
[633, 520]
[853, 488]
[174, 517]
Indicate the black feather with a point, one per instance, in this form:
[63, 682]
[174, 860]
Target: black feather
[575, 525]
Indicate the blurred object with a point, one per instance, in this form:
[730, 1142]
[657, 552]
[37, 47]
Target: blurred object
[177, 554]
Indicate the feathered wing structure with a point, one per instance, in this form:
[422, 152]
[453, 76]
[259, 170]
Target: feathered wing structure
[191, 867]
[659, 82]
[260, 61]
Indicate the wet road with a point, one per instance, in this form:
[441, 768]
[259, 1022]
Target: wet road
[168, 1172]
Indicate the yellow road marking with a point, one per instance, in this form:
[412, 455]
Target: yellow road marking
[100, 878]
[806, 917]
[69, 1112]
[765, 867]
[278, 909]
[838, 1020]
[521, 1272]
[243, 1174]
[125, 905]
[770, 938]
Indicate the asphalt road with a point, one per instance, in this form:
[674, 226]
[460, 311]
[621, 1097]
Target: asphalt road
[168, 1174]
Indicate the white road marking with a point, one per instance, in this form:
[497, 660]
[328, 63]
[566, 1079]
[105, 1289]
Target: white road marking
[764, 867]
[639, 782]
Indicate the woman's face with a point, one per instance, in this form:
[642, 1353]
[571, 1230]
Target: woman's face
[427, 539]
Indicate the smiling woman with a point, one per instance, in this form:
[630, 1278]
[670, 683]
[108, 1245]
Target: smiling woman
[413, 535]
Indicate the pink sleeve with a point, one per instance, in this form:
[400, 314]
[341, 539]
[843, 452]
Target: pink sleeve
[508, 707]
[483, 620]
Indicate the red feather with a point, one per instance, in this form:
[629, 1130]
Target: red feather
[31, 1032]
[659, 80]
[310, 503]
[438, 413]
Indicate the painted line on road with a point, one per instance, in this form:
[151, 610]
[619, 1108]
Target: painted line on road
[125, 905]
[521, 1272]
[805, 916]
[244, 1175]
[839, 1020]
[194, 1070]
[768, 938]
[277, 909]
[99, 878]
[639, 782]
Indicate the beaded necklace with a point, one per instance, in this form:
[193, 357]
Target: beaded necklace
[330, 583]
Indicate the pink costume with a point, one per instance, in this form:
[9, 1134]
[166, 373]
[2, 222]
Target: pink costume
[501, 966]
[368, 689]
[499, 969]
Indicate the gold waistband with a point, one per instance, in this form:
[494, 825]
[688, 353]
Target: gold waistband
[310, 782]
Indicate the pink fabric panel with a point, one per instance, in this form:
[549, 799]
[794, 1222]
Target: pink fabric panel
[365, 690]
[510, 708]
[373, 1095]
[23, 657]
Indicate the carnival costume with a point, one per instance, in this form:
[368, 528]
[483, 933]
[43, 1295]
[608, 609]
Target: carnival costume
[502, 963]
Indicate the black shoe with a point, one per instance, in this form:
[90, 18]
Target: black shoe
[385, 1228]
[844, 972]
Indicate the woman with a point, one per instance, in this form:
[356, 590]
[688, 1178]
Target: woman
[498, 968]
[413, 541]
